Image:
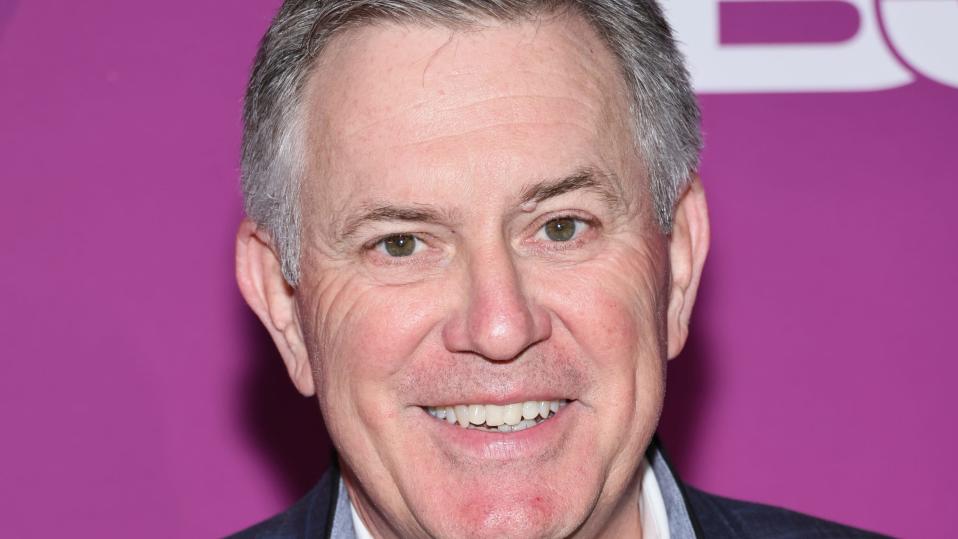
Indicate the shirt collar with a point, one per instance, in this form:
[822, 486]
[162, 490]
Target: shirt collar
[358, 527]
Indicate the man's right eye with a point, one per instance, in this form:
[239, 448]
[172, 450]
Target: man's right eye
[399, 245]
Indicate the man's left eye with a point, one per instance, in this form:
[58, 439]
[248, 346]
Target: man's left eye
[399, 245]
[562, 229]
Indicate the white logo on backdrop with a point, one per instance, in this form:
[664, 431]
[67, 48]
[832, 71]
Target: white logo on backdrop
[924, 33]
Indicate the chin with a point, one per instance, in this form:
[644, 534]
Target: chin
[467, 483]
[532, 508]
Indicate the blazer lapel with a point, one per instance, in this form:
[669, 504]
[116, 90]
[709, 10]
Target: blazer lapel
[682, 521]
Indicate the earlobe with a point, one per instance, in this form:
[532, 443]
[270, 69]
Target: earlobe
[688, 248]
[261, 282]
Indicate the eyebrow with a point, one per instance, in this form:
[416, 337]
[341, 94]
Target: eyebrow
[390, 212]
[606, 185]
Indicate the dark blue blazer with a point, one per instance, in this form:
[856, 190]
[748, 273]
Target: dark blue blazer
[703, 515]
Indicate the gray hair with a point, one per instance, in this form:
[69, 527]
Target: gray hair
[663, 104]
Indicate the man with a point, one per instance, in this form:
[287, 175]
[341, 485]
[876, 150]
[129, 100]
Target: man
[475, 234]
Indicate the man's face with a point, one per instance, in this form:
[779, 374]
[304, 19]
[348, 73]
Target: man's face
[477, 233]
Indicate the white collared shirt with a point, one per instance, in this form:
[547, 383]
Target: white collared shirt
[655, 519]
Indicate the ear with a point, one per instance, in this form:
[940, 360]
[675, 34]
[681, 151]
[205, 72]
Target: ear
[261, 281]
[688, 248]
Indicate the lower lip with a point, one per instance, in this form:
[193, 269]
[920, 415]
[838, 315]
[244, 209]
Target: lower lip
[503, 446]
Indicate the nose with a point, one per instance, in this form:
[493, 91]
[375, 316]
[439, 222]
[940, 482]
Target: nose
[495, 318]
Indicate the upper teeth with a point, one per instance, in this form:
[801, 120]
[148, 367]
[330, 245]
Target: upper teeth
[506, 418]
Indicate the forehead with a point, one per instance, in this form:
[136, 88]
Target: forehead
[396, 108]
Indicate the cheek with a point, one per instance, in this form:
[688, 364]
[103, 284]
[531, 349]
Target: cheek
[611, 309]
[362, 336]
[619, 333]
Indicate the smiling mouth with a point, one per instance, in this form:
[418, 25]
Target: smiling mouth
[495, 418]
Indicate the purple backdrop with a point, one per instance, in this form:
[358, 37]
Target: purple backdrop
[139, 398]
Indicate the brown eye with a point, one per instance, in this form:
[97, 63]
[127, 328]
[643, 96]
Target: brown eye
[400, 245]
[562, 229]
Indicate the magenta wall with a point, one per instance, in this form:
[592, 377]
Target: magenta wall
[138, 398]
